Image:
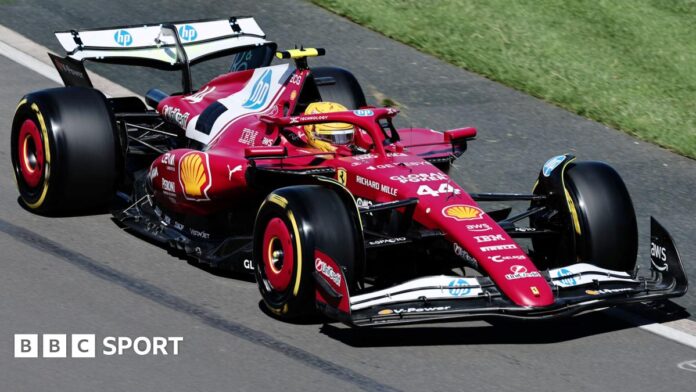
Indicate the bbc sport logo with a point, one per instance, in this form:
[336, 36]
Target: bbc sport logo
[86, 345]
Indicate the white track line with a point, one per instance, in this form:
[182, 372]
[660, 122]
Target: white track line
[39, 67]
[26, 52]
[680, 335]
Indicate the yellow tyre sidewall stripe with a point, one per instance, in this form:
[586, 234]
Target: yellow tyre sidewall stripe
[47, 154]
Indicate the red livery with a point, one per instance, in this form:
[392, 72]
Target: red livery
[283, 171]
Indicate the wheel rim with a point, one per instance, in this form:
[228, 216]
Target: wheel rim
[31, 153]
[278, 255]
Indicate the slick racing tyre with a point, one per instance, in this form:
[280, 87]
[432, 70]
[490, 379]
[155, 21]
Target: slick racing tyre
[339, 85]
[608, 235]
[603, 229]
[65, 150]
[293, 224]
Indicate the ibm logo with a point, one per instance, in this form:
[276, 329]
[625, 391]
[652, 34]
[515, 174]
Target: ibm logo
[85, 345]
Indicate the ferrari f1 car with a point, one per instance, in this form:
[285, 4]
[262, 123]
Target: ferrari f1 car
[284, 171]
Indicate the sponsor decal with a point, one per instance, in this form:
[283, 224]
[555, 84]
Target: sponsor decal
[176, 116]
[153, 173]
[364, 203]
[459, 251]
[248, 136]
[328, 271]
[562, 273]
[500, 259]
[479, 227]
[199, 233]
[524, 229]
[194, 175]
[421, 310]
[198, 97]
[55, 345]
[248, 264]
[342, 176]
[425, 190]
[462, 212]
[420, 177]
[187, 33]
[385, 312]
[364, 157]
[456, 290]
[658, 253]
[168, 186]
[391, 241]
[267, 141]
[178, 226]
[168, 159]
[520, 272]
[232, 171]
[376, 185]
[123, 38]
[295, 79]
[607, 291]
[489, 238]
[552, 164]
[497, 247]
[363, 113]
[259, 93]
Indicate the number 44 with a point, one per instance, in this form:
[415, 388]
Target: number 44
[424, 190]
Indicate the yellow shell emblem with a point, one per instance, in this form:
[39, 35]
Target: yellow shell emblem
[462, 212]
[192, 174]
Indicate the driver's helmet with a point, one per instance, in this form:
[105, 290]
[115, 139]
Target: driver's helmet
[325, 136]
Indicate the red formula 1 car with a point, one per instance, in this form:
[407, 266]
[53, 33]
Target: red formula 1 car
[331, 209]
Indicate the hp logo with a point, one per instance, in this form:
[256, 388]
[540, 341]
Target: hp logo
[259, 93]
[187, 33]
[123, 38]
[456, 291]
[569, 281]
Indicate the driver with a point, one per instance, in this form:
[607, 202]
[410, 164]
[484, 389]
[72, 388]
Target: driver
[327, 136]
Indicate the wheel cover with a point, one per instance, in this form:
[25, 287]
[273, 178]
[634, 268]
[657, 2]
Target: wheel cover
[31, 153]
[278, 255]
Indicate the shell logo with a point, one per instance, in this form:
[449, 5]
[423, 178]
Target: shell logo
[462, 212]
[195, 176]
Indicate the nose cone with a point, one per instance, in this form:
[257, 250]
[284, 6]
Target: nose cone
[535, 292]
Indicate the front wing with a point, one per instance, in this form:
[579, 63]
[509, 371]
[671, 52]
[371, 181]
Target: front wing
[577, 288]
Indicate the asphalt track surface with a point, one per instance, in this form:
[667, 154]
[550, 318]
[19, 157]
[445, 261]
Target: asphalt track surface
[85, 275]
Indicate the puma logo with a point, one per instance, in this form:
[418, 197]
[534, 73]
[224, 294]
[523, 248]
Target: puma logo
[233, 170]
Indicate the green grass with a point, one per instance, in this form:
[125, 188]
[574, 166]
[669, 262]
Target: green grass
[630, 64]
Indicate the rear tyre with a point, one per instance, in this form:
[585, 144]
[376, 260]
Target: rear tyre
[292, 224]
[65, 150]
[341, 87]
[603, 229]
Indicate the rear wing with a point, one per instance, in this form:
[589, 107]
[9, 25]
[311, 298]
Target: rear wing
[169, 46]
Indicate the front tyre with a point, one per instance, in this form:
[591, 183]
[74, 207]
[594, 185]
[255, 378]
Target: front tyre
[593, 215]
[293, 224]
[608, 235]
